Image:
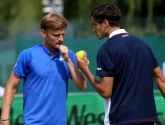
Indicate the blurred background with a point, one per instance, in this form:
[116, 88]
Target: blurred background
[20, 29]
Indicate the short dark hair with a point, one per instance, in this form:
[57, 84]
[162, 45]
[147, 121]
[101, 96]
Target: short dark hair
[107, 11]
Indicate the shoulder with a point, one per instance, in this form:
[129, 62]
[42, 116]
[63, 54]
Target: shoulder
[27, 53]
[29, 50]
[71, 53]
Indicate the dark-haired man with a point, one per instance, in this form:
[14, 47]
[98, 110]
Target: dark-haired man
[126, 66]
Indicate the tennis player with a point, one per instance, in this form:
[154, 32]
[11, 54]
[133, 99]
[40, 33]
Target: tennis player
[126, 66]
[45, 70]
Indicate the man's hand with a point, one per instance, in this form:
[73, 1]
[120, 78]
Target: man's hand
[64, 52]
[82, 63]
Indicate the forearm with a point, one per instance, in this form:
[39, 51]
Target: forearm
[94, 82]
[160, 80]
[161, 86]
[162, 90]
[7, 101]
[78, 78]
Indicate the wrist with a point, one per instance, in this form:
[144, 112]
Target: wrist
[85, 70]
[5, 119]
[68, 60]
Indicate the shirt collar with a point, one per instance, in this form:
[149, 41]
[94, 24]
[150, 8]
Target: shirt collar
[47, 50]
[116, 32]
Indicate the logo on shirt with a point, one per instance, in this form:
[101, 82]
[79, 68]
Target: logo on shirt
[98, 68]
[125, 35]
[61, 58]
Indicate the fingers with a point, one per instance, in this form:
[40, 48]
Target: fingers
[63, 49]
[58, 46]
[64, 52]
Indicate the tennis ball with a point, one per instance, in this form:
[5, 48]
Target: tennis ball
[81, 55]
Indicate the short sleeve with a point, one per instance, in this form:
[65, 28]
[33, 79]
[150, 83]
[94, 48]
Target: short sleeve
[21, 67]
[154, 60]
[105, 63]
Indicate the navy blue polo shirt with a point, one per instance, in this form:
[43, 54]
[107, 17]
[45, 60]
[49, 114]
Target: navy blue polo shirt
[131, 62]
[45, 85]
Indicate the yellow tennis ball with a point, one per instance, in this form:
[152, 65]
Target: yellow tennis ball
[81, 54]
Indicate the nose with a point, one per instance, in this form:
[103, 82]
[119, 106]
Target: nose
[61, 38]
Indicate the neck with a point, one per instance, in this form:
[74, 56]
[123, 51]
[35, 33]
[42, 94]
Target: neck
[111, 29]
[52, 49]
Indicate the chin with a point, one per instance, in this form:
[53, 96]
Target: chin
[56, 47]
[99, 37]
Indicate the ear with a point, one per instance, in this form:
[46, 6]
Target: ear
[106, 23]
[43, 33]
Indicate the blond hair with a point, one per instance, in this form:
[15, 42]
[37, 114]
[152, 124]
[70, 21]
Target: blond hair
[53, 21]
